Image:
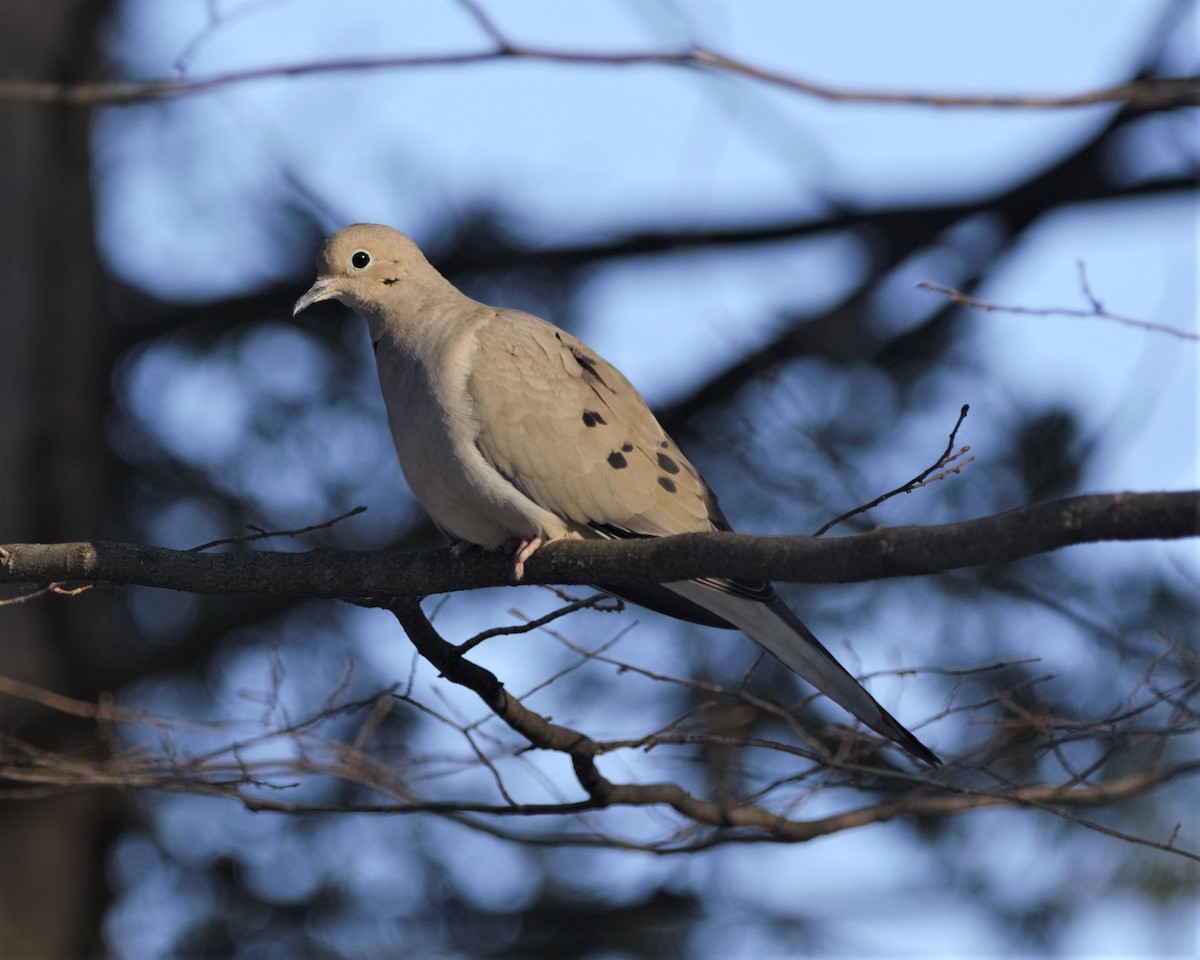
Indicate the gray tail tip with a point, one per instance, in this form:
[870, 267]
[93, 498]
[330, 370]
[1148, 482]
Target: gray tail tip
[917, 749]
[914, 747]
[900, 735]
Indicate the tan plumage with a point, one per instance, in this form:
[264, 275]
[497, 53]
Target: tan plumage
[512, 432]
[579, 443]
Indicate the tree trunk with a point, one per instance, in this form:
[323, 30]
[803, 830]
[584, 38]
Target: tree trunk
[56, 473]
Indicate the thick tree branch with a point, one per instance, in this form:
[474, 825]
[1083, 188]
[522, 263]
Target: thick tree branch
[887, 552]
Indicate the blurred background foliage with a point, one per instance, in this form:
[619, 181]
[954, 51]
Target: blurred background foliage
[749, 258]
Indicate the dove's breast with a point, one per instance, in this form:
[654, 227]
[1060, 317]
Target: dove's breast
[436, 431]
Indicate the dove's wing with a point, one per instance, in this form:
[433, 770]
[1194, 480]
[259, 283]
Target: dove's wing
[567, 429]
[570, 432]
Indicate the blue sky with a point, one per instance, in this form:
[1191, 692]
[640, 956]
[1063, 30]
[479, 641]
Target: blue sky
[574, 153]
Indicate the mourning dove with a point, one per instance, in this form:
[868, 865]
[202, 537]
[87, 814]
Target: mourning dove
[512, 433]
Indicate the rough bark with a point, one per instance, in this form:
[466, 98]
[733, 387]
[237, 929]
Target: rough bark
[55, 470]
[882, 553]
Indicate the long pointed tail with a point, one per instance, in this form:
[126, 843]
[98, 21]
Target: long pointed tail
[774, 626]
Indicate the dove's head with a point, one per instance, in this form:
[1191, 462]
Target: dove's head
[366, 265]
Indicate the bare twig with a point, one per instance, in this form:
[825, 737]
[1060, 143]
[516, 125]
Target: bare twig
[485, 23]
[1145, 94]
[755, 815]
[261, 534]
[584, 656]
[1096, 310]
[531, 625]
[56, 588]
[26, 597]
[920, 480]
[216, 21]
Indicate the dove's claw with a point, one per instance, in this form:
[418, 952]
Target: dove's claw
[525, 550]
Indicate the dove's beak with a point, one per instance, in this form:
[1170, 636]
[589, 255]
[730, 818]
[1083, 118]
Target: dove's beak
[321, 290]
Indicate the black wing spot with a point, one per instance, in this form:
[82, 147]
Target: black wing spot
[664, 444]
[667, 484]
[591, 418]
[617, 461]
[668, 465]
[627, 447]
[589, 365]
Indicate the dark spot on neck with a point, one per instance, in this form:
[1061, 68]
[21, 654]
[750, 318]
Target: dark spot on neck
[388, 281]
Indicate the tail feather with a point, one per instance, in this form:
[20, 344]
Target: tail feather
[774, 626]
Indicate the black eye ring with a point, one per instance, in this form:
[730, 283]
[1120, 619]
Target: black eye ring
[360, 259]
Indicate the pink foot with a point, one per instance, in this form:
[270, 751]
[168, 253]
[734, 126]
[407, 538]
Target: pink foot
[525, 550]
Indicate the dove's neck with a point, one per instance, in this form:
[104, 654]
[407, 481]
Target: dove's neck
[418, 316]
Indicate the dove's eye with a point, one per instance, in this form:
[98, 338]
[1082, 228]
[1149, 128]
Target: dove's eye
[359, 259]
